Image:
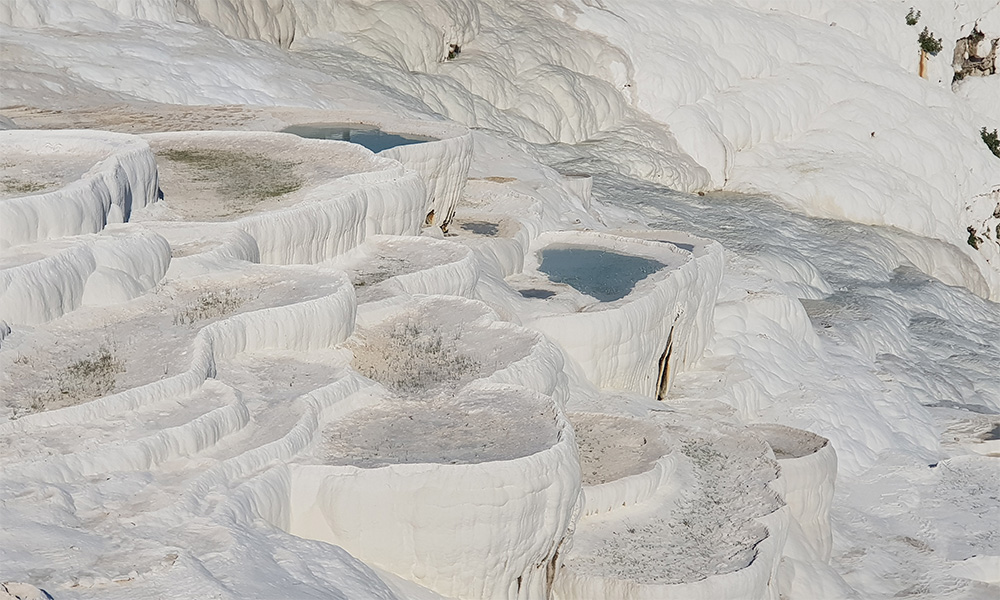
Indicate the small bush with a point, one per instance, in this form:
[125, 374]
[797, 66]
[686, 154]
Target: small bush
[406, 358]
[13, 185]
[912, 17]
[91, 377]
[928, 44]
[94, 375]
[210, 305]
[991, 140]
[974, 240]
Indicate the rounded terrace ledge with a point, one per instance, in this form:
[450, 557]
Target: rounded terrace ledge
[226, 175]
[386, 266]
[62, 183]
[642, 336]
[715, 528]
[622, 459]
[447, 526]
[441, 154]
[808, 475]
[458, 465]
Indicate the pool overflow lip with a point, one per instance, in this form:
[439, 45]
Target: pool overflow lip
[370, 137]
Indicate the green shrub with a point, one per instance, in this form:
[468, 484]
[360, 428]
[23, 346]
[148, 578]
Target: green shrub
[991, 140]
[928, 44]
[974, 240]
[912, 17]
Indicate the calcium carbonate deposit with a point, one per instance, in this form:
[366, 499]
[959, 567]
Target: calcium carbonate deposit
[480, 299]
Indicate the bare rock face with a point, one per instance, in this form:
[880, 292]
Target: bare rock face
[967, 61]
[22, 591]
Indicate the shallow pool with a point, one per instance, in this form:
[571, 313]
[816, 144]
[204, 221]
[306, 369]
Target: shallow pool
[481, 227]
[605, 275]
[537, 293]
[375, 140]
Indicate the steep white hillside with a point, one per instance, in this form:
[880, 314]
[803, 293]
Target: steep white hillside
[244, 364]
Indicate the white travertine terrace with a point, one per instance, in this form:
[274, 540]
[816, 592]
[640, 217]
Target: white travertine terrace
[809, 470]
[122, 179]
[665, 309]
[95, 270]
[442, 161]
[808, 473]
[625, 471]
[386, 266]
[214, 473]
[515, 513]
[441, 519]
[609, 546]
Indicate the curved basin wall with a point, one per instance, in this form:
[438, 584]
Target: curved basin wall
[319, 323]
[125, 180]
[444, 167]
[337, 216]
[484, 530]
[620, 344]
[809, 488]
[630, 490]
[757, 581]
[97, 271]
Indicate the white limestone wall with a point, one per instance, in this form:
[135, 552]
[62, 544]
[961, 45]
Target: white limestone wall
[232, 244]
[455, 277]
[808, 491]
[504, 256]
[145, 453]
[334, 217]
[757, 581]
[264, 20]
[260, 481]
[619, 344]
[579, 185]
[809, 487]
[542, 370]
[443, 165]
[97, 271]
[629, 490]
[808, 471]
[483, 530]
[122, 179]
[418, 33]
[442, 162]
[310, 325]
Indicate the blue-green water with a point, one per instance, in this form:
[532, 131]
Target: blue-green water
[607, 276]
[375, 140]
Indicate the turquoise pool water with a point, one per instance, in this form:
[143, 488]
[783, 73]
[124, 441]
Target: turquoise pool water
[375, 140]
[605, 275]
